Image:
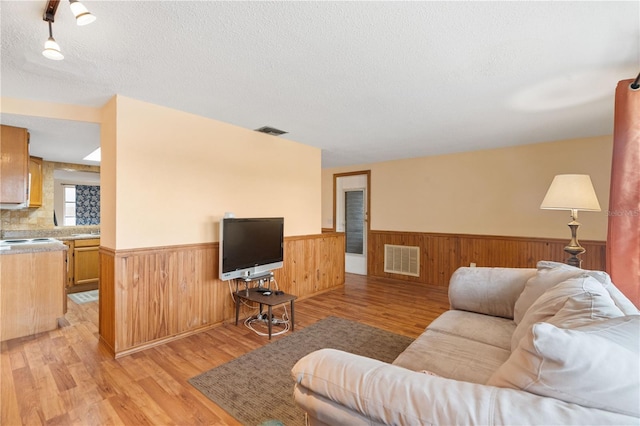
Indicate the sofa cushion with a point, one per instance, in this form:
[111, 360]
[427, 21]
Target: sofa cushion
[590, 301]
[494, 331]
[594, 366]
[490, 291]
[549, 274]
[453, 357]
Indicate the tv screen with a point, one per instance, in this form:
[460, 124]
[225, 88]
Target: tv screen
[250, 246]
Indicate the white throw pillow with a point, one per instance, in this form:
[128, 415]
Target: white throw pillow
[590, 301]
[594, 366]
[550, 274]
[583, 311]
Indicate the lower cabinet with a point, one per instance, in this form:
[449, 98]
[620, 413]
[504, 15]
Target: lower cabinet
[83, 265]
[32, 288]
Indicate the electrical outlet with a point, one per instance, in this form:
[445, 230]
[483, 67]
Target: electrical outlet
[472, 264]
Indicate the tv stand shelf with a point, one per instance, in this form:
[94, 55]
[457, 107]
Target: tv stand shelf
[260, 279]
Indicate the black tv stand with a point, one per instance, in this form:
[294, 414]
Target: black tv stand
[252, 295]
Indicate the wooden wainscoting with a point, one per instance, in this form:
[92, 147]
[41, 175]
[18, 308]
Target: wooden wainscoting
[149, 296]
[313, 264]
[442, 254]
[106, 299]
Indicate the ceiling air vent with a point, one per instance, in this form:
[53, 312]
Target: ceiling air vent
[271, 131]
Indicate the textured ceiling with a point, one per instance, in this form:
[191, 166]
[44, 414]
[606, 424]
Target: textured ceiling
[364, 81]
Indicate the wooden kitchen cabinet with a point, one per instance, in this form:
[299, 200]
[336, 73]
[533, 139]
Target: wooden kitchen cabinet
[32, 288]
[83, 265]
[35, 189]
[69, 282]
[14, 165]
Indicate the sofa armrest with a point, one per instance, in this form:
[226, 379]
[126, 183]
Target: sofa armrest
[490, 291]
[388, 394]
[336, 387]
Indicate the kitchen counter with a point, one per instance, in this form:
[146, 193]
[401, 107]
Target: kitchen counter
[33, 248]
[62, 233]
[79, 237]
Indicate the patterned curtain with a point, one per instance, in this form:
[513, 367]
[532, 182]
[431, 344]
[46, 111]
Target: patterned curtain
[623, 239]
[87, 205]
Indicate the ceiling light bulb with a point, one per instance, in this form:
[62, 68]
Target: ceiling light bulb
[52, 50]
[82, 14]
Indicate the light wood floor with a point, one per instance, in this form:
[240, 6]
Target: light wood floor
[65, 377]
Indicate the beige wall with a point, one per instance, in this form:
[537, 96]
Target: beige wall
[50, 110]
[176, 174]
[108, 200]
[492, 192]
[167, 177]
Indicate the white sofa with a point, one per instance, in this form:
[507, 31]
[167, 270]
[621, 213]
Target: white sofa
[551, 345]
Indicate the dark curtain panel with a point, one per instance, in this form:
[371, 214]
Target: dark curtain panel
[623, 239]
[87, 205]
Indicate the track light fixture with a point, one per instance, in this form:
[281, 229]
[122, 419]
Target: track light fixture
[51, 47]
[82, 14]
[83, 17]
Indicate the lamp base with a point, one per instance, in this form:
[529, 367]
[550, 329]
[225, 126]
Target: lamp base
[574, 248]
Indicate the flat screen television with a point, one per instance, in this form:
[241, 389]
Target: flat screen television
[250, 246]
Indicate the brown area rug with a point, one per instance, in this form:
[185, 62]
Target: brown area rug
[257, 387]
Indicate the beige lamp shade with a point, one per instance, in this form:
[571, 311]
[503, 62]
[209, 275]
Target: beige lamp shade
[571, 192]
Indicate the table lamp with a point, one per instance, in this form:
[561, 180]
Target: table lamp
[573, 193]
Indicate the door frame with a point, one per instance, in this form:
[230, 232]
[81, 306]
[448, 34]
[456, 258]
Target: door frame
[367, 214]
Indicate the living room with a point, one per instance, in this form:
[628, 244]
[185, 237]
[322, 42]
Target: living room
[170, 172]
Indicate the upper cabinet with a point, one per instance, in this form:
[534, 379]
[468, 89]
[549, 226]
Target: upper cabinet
[35, 187]
[14, 165]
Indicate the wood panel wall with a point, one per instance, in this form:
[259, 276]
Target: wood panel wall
[442, 254]
[153, 295]
[313, 264]
[106, 300]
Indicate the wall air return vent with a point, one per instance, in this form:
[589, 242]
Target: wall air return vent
[404, 260]
[271, 131]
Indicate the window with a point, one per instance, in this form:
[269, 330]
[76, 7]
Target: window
[76, 197]
[69, 205]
